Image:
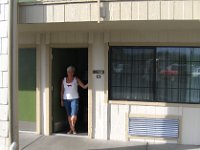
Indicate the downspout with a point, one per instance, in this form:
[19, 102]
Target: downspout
[12, 95]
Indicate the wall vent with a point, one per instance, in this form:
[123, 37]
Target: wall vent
[154, 127]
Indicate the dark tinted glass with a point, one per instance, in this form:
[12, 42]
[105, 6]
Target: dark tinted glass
[166, 74]
[131, 73]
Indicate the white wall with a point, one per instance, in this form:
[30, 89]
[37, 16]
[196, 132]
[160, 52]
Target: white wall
[190, 126]
[110, 11]
[190, 121]
[109, 120]
[117, 113]
[99, 107]
[4, 58]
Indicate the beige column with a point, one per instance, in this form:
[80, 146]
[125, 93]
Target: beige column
[45, 110]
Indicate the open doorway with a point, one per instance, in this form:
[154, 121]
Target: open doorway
[61, 59]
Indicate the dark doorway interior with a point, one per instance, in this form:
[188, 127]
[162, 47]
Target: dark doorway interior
[61, 59]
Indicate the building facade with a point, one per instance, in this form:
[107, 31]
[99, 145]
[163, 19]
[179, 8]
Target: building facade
[140, 58]
[4, 107]
[8, 75]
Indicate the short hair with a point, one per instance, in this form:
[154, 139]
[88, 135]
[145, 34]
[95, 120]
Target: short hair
[72, 68]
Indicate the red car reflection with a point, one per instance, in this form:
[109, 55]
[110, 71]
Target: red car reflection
[171, 70]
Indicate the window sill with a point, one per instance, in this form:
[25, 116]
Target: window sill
[161, 104]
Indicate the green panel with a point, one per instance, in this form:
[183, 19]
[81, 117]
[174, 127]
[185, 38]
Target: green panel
[27, 106]
[27, 85]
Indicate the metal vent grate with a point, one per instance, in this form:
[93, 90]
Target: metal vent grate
[154, 127]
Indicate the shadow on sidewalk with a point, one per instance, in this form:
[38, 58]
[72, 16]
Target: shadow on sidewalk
[154, 147]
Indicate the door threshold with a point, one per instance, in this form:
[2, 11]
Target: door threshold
[31, 132]
[79, 135]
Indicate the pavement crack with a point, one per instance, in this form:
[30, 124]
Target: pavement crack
[32, 142]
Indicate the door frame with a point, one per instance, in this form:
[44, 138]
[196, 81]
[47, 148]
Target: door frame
[89, 49]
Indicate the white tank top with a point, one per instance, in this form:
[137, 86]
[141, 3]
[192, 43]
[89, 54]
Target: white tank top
[70, 89]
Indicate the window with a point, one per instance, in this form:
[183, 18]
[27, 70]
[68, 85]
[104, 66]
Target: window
[161, 74]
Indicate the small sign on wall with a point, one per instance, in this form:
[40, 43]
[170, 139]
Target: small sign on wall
[98, 73]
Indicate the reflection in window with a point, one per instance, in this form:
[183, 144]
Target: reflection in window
[166, 74]
[130, 79]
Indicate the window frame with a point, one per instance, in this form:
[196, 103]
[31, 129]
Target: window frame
[154, 75]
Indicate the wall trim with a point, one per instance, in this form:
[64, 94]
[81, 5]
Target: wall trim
[153, 44]
[106, 49]
[161, 104]
[38, 89]
[90, 87]
[68, 45]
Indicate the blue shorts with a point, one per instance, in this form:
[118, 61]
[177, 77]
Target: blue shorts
[71, 107]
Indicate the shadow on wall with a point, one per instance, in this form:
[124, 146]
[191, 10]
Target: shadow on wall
[155, 147]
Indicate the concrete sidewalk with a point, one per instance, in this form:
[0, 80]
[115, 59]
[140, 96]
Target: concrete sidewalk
[63, 142]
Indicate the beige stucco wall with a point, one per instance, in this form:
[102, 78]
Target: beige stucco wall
[110, 11]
